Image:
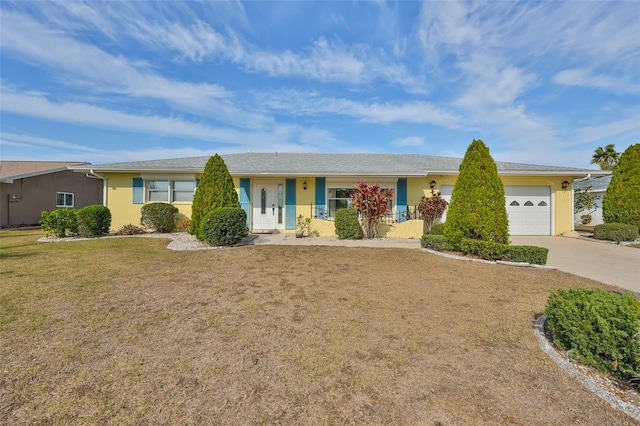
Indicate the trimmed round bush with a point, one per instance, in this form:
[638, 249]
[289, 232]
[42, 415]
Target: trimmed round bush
[615, 232]
[434, 242]
[224, 226]
[347, 225]
[529, 254]
[486, 249]
[161, 217]
[57, 222]
[599, 328]
[94, 220]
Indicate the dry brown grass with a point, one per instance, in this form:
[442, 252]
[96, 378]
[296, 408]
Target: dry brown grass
[124, 331]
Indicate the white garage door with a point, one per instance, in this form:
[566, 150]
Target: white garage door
[528, 207]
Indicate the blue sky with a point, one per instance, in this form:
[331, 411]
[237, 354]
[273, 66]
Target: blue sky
[538, 82]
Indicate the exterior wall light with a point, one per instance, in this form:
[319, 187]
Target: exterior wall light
[304, 185]
[432, 184]
[565, 185]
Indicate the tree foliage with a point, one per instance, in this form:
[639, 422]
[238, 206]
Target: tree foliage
[432, 208]
[606, 157]
[372, 203]
[621, 203]
[477, 210]
[215, 190]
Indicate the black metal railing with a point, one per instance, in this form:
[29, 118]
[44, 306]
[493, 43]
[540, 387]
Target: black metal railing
[398, 215]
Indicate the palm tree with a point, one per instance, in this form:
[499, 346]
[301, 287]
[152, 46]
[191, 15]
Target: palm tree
[606, 158]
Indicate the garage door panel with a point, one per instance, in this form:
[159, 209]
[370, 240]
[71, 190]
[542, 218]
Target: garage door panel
[528, 208]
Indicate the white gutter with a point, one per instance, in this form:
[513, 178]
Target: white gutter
[94, 175]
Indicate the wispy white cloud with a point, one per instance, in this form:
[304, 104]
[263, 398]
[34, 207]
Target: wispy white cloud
[583, 78]
[81, 64]
[299, 103]
[37, 105]
[410, 141]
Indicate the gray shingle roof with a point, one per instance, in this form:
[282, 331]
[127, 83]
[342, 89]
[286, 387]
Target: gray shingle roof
[328, 164]
[597, 184]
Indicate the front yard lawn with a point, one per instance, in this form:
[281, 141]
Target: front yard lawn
[124, 331]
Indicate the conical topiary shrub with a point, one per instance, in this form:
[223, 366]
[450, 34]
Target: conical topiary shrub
[215, 190]
[477, 209]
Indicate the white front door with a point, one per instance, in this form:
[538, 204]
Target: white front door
[268, 205]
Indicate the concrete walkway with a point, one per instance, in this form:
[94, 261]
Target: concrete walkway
[602, 261]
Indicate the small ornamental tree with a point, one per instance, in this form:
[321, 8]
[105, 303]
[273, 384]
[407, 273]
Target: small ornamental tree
[585, 200]
[215, 190]
[432, 208]
[372, 204]
[477, 209]
[621, 203]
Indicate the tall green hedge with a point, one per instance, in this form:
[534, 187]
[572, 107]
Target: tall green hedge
[621, 203]
[215, 190]
[477, 209]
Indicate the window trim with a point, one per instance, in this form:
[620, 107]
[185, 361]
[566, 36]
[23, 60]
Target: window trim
[65, 194]
[169, 191]
[385, 183]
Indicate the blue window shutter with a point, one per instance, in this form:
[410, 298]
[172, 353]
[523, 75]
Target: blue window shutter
[245, 198]
[197, 182]
[401, 196]
[290, 204]
[401, 200]
[138, 191]
[321, 200]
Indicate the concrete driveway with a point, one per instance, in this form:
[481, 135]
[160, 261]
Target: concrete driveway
[601, 261]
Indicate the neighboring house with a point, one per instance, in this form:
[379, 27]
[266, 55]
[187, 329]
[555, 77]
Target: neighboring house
[598, 188]
[274, 188]
[29, 187]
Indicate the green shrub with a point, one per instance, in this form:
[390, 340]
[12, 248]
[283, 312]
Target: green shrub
[224, 226]
[215, 190]
[437, 229]
[433, 242]
[477, 210]
[600, 328]
[161, 217]
[57, 222]
[488, 249]
[129, 229]
[529, 254]
[347, 225]
[94, 220]
[621, 202]
[615, 232]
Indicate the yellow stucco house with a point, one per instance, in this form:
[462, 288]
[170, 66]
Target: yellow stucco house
[274, 188]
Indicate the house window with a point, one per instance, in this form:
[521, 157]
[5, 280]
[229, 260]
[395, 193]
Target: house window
[65, 199]
[158, 191]
[183, 190]
[340, 198]
[170, 191]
